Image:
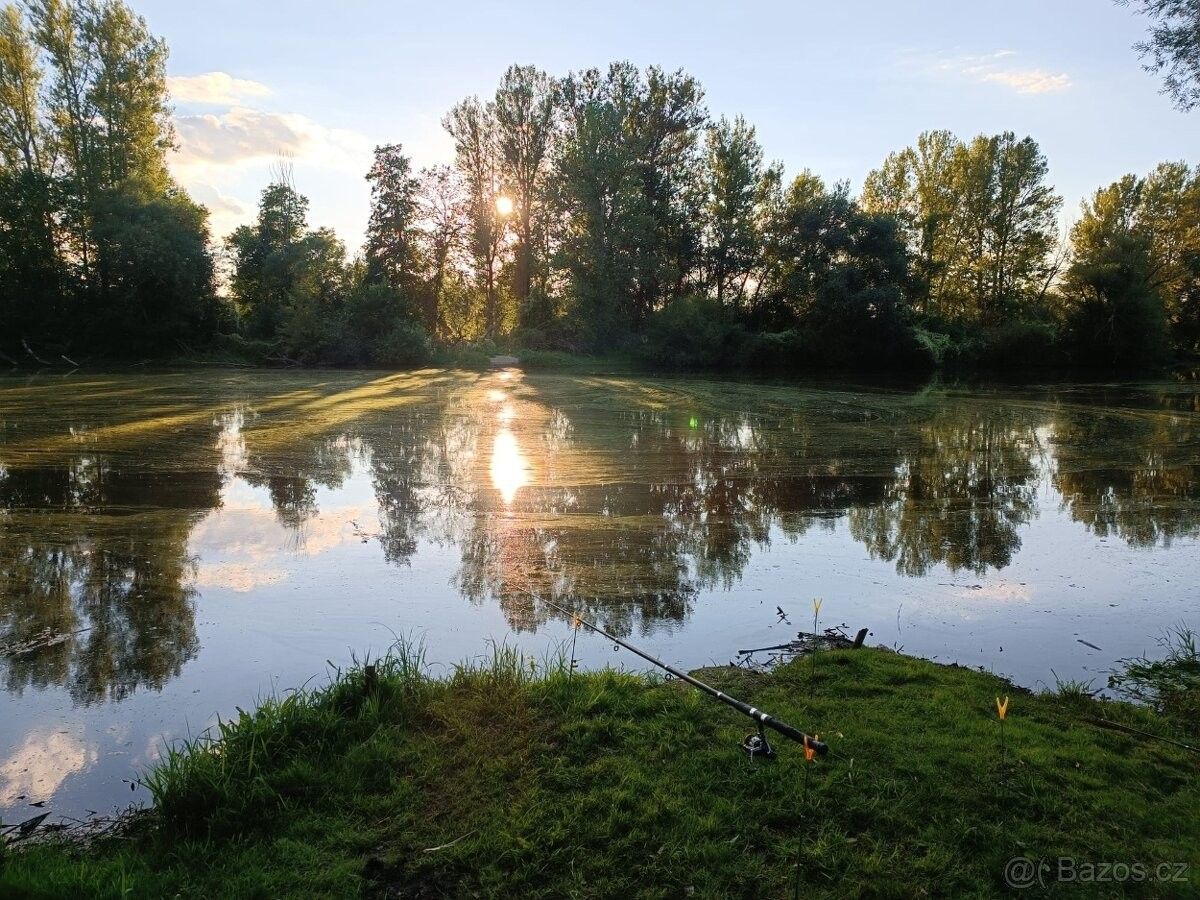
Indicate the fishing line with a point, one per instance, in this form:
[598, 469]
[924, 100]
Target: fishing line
[754, 744]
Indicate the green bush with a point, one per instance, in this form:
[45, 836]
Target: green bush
[1114, 316]
[245, 349]
[546, 360]
[372, 308]
[313, 333]
[1171, 685]
[465, 356]
[690, 333]
[1017, 346]
[934, 347]
[772, 351]
[406, 344]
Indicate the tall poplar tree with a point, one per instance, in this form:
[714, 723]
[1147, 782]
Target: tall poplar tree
[525, 112]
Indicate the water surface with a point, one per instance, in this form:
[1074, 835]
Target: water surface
[174, 545]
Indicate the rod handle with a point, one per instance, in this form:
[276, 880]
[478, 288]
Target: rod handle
[797, 735]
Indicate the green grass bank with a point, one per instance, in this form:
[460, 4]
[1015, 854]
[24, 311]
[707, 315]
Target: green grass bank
[517, 780]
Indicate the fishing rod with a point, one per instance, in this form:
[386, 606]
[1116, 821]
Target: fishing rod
[755, 744]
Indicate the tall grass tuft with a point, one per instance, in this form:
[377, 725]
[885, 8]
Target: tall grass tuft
[1073, 690]
[244, 770]
[1171, 684]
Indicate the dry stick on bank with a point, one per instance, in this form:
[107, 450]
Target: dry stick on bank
[835, 638]
[36, 358]
[449, 843]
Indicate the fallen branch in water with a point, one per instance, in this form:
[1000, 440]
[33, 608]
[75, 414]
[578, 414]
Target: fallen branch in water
[78, 832]
[40, 641]
[37, 358]
[23, 829]
[835, 638]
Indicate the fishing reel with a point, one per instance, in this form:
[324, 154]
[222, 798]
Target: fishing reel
[756, 745]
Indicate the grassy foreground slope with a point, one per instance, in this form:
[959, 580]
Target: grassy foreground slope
[502, 781]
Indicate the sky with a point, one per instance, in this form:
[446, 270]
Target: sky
[831, 87]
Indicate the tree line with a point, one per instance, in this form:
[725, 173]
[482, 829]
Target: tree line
[603, 211]
[100, 251]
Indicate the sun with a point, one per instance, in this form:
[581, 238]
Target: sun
[504, 205]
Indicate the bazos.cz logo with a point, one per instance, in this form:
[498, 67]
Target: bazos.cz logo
[1024, 871]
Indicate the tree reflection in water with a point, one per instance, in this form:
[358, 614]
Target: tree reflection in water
[1133, 474]
[965, 482]
[105, 584]
[624, 498]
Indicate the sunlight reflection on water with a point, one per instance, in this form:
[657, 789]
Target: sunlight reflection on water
[510, 469]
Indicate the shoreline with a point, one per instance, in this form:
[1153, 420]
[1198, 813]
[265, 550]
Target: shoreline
[479, 359]
[510, 778]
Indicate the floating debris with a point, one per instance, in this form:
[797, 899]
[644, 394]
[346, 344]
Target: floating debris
[835, 638]
[69, 828]
[40, 641]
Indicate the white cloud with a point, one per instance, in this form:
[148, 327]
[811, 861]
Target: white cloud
[239, 577]
[42, 763]
[236, 136]
[999, 68]
[242, 136]
[1031, 81]
[217, 202]
[219, 150]
[219, 88]
[225, 213]
[227, 151]
[999, 591]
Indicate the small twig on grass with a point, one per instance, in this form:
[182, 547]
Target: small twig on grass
[449, 843]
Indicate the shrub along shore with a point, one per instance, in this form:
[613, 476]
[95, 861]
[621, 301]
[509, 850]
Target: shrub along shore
[518, 778]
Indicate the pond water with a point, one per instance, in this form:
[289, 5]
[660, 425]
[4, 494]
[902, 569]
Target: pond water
[175, 545]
